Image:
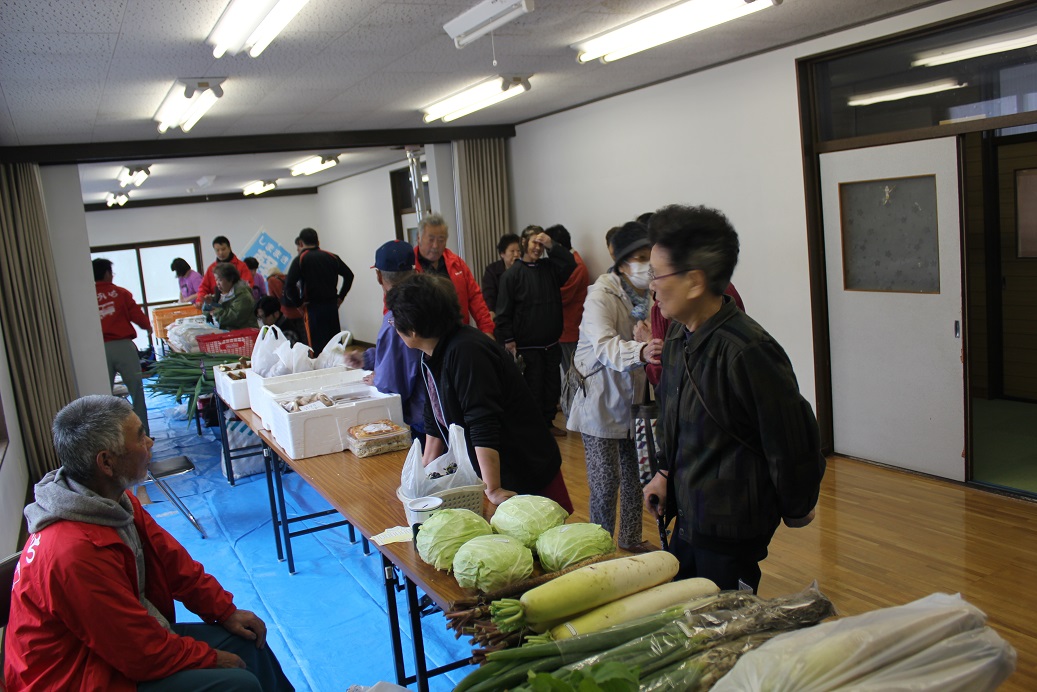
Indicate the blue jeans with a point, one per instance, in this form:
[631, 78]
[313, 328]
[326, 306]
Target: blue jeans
[262, 671]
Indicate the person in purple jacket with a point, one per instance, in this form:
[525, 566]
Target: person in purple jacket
[396, 367]
[189, 279]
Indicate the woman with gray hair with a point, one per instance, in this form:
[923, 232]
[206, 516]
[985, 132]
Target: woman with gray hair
[233, 307]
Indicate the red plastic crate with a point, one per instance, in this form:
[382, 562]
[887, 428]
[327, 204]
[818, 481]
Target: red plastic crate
[238, 342]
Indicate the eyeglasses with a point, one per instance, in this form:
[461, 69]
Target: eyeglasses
[652, 276]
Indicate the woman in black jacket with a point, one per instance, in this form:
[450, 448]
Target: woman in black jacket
[473, 382]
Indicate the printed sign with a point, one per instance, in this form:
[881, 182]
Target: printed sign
[269, 253]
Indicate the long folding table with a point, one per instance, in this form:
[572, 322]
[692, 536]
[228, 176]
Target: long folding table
[363, 492]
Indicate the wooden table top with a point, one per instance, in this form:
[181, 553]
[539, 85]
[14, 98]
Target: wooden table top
[363, 491]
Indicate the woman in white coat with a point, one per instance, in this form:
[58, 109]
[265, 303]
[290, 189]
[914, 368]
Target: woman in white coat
[613, 362]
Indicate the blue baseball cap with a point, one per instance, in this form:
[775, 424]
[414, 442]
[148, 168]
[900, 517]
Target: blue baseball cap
[394, 256]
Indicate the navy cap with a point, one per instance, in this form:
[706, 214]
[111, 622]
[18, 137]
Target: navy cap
[394, 256]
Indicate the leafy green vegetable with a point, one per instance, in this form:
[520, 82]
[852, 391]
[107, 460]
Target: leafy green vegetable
[568, 544]
[604, 677]
[492, 562]
[440, 536]
[525, 517]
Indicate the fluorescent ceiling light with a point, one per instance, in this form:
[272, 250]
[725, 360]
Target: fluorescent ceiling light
[187, 101]
[259, 187]
[251, 24]
[485, 93]
[114, 198]
[975, 49]
[664, 26]
[133, 176]
[314, 164]
[485, 17]
[905, 92]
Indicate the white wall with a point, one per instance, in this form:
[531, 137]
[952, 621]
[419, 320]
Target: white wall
[14, 474]
[728, 138]
[356, 217]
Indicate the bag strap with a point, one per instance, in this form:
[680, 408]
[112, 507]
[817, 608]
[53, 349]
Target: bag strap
[702, 399]
[581, 377]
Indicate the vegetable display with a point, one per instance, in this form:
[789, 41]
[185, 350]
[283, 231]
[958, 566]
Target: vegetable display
[584, 589]
[568, 544]
[186, 374]
[492, 562]
[442, 534]
[525, 517]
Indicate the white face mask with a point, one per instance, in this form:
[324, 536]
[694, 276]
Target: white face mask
[637, 274]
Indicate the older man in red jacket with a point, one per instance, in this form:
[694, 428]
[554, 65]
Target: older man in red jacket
[431, 256]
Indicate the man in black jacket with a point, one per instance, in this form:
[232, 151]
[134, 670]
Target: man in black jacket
[740, 445]
[529, 316]
[474, 383]
[312, 283]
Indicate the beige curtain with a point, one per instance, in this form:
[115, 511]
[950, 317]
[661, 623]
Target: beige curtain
[484, 211]
[30, 310]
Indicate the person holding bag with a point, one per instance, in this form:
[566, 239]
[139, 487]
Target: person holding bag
[474, 383]
[613, 363]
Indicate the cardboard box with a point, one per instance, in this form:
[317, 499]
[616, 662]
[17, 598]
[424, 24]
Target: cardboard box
[262, 390]
[325, 429]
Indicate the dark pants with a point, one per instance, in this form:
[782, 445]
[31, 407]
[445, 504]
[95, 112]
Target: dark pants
[728, 571]
[323, 324]
[542, 377]
[262, 671]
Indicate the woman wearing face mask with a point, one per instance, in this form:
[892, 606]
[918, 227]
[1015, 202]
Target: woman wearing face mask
[613, 363]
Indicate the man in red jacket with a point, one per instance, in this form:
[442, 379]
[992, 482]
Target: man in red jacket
[92, 603]
[221, 246]
[119, 312]
[431, 256]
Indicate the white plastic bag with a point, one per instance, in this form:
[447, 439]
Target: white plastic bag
[264, 353]
[834, 655]
[294, 359]
[183, 336]
[334, 352]
[451, 470]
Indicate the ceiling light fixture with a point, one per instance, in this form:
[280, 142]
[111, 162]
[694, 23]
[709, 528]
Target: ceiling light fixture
[259, 187]
[674, 22]
[115, 198]
[251, 24]
[485, 93]
[187, 101]
[314, 164]
[976, 49]
[485, 17]
[905, 92]
[133, 176]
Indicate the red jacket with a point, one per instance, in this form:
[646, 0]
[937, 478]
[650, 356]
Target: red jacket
[208, 285]
[76, 618]
[119, 312]
[469, 295]
[574, 293]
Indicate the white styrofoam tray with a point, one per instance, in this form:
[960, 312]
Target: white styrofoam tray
[234, 392]
[326, 430]
[262, 390]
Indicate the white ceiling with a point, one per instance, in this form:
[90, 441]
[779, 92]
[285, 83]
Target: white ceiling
[95, 71]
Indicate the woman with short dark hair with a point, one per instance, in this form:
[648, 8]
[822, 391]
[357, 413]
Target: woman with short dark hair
[473, 382]
[189, 279]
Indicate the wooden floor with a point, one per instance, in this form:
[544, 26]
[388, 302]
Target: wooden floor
[885, 537]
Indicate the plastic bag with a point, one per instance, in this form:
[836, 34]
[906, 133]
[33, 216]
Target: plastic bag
[183, 336]
[835, 655]
[334, 352]
[294, 359]
[451, 470]
[264, 353]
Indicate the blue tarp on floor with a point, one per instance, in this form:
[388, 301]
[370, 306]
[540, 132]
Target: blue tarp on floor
[327, 623]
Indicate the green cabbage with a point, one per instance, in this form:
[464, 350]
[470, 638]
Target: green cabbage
[525, 517]
[492, 562]
[444, 532]
[568, 544]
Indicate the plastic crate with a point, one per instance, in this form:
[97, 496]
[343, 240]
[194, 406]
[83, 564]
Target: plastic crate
[235, 343]
[161, 318]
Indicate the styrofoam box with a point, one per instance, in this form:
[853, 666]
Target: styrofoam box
[326, 430]
[261, 390]
[234, 392]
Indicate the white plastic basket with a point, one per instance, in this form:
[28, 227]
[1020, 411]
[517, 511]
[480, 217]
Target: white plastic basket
[465, 497]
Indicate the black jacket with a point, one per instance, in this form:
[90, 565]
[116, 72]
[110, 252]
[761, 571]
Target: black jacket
[315, 272]
[481, 389]
[529, 301]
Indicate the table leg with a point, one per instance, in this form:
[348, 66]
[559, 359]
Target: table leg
[414, 609]
[285, 529]
[394, 621]
[270, 468]
[221, 411]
